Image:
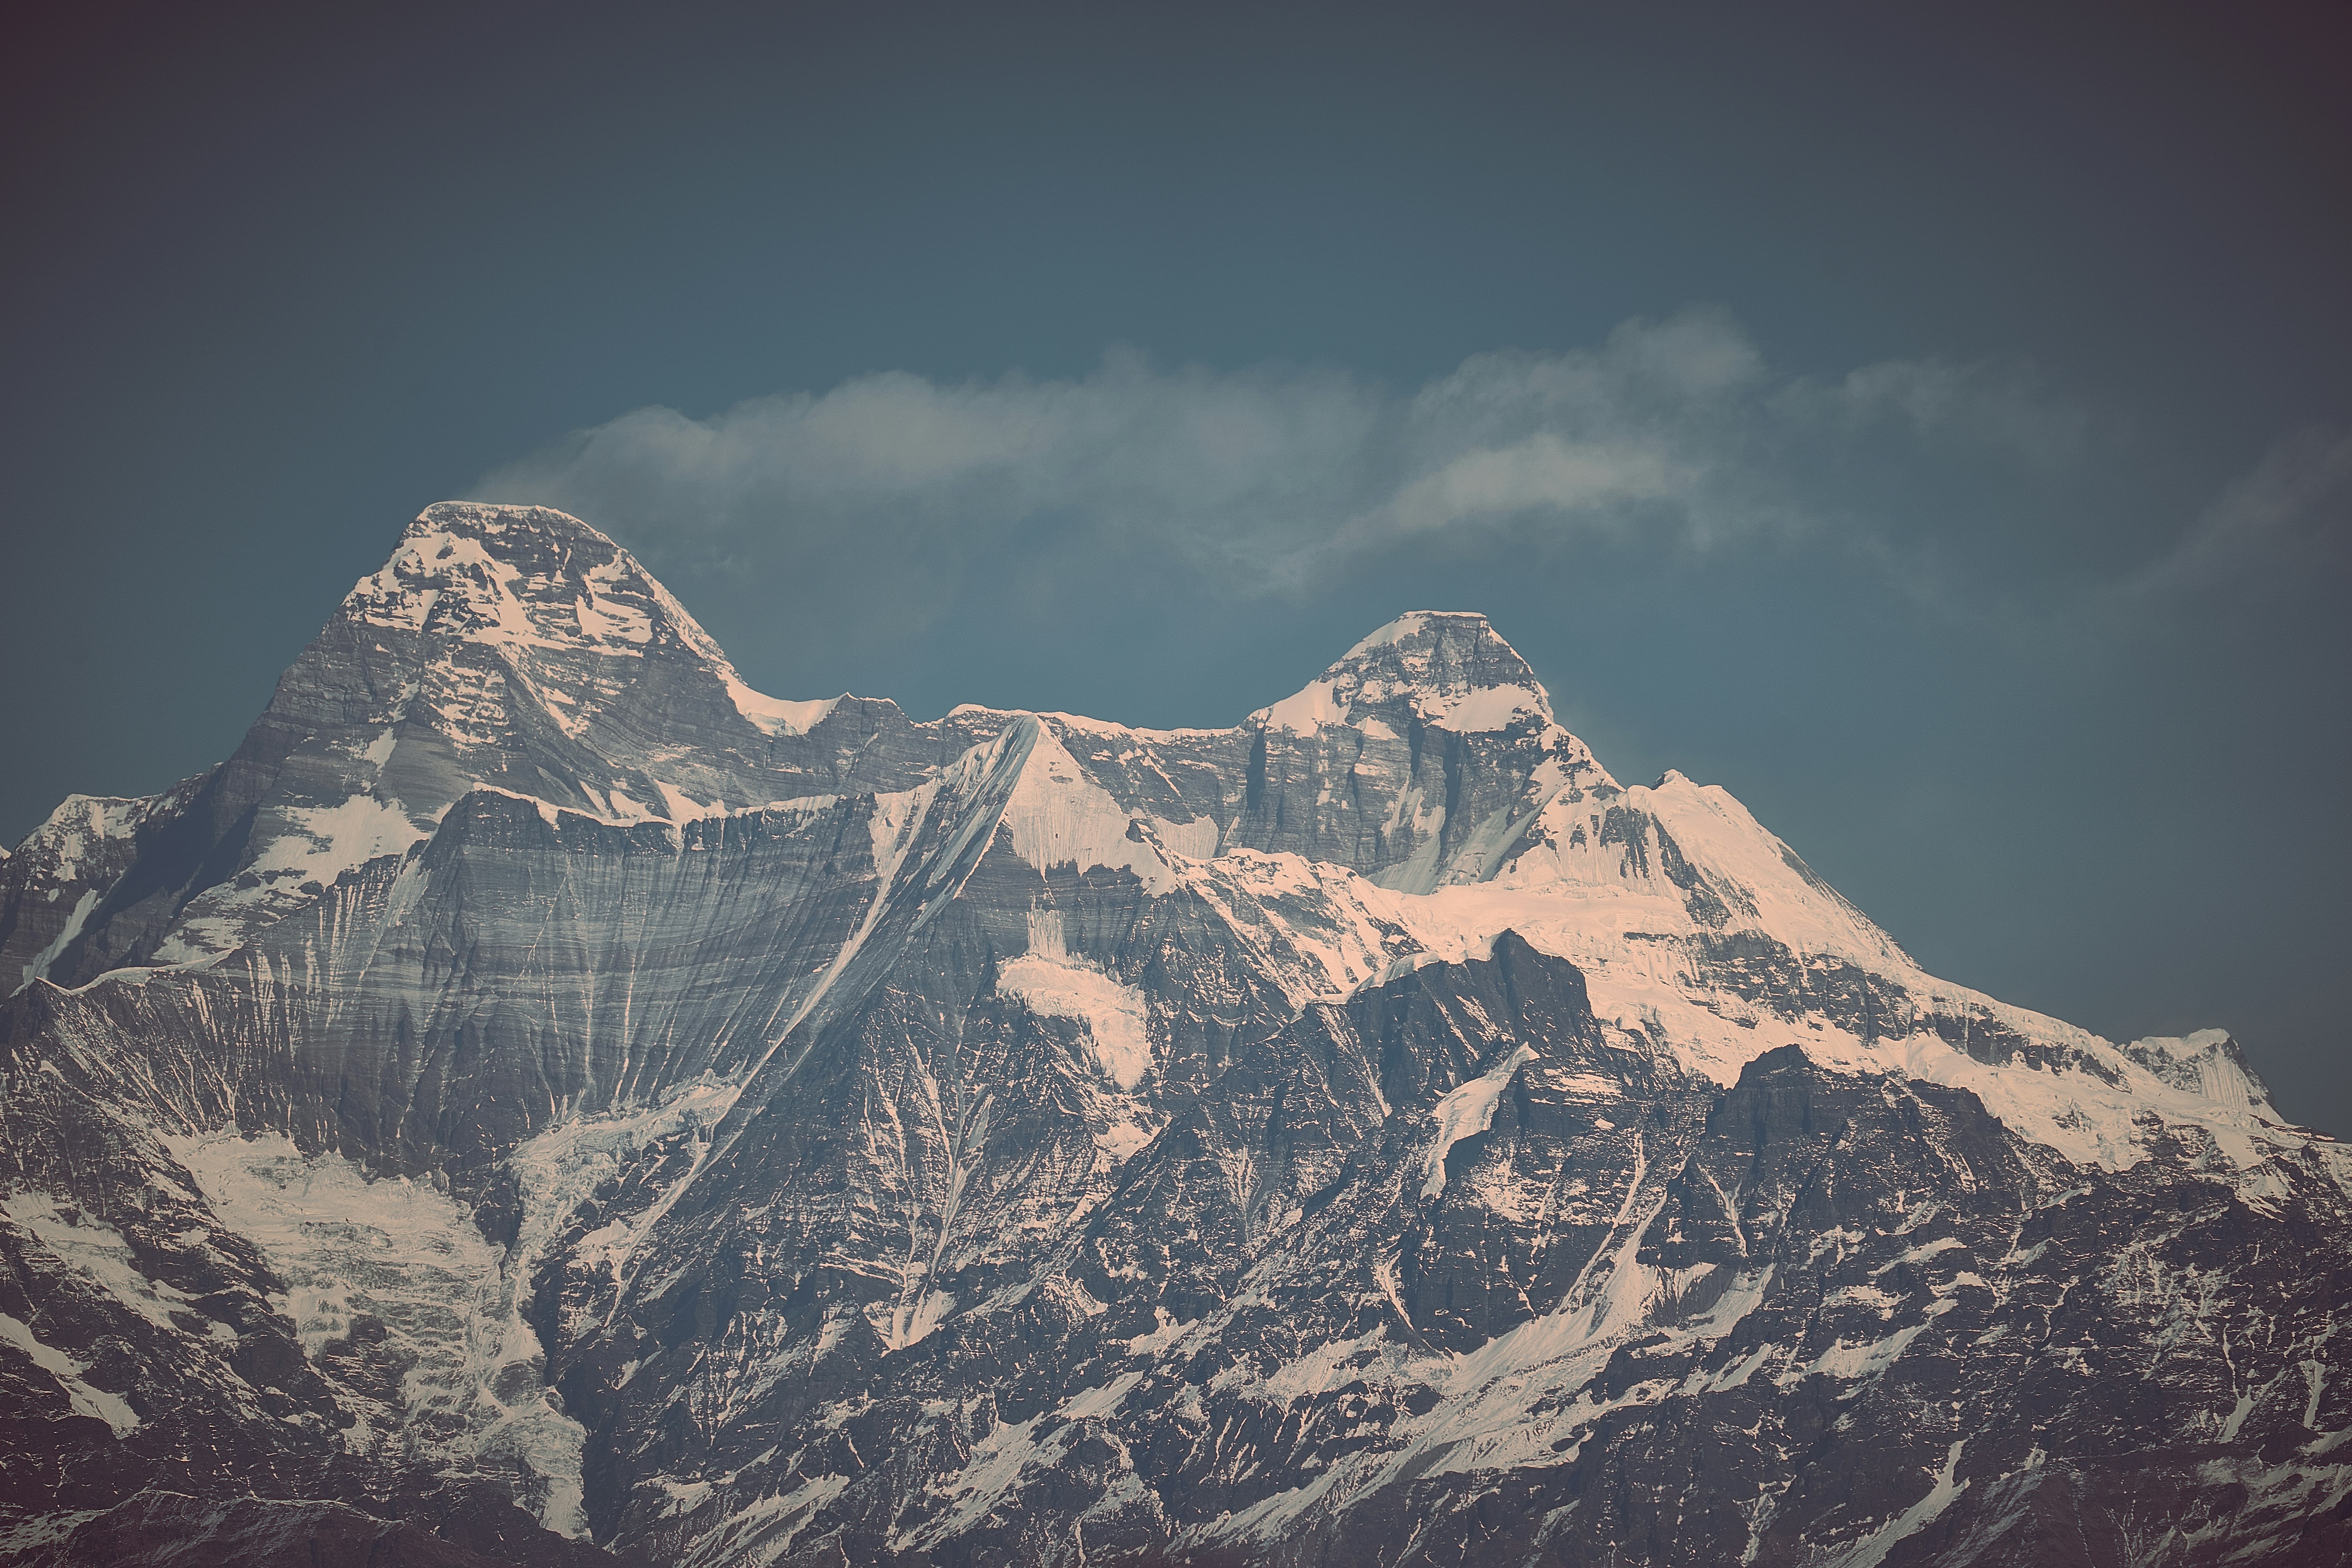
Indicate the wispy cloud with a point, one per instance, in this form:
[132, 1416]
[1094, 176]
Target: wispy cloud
[2287, 519]
[1672, 433]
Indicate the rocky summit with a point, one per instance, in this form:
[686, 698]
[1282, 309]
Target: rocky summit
[540, 1101]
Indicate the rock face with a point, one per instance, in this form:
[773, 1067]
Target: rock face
[542, 1101]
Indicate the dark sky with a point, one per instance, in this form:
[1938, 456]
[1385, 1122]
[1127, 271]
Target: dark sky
[1930, 422]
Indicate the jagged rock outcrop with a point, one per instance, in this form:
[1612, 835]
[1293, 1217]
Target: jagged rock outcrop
[542, 1100]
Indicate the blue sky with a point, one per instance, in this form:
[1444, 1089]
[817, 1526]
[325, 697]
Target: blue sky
[1932, 427]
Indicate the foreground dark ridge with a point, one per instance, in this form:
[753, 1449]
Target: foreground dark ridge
[540, 1100]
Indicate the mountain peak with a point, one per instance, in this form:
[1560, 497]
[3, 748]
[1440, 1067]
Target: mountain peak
[526, 577]
[1472, 623]
[504, 522]
[1447, 667]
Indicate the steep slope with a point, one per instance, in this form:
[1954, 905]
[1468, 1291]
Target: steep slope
[513, 647]
[542, 1093]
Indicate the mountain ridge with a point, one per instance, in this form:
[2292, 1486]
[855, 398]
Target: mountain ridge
[735, 1130]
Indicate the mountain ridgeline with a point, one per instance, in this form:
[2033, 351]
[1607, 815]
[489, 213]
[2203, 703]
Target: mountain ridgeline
[542, 1101]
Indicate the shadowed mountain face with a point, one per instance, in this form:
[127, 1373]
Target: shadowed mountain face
[542, 1101]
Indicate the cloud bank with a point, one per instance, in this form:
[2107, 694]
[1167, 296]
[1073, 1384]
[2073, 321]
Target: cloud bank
[1672, 433]
[1959, 486]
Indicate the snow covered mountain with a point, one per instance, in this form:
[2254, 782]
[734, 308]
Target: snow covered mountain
[540, 1100]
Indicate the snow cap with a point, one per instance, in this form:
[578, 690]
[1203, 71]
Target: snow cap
[1446, 668]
